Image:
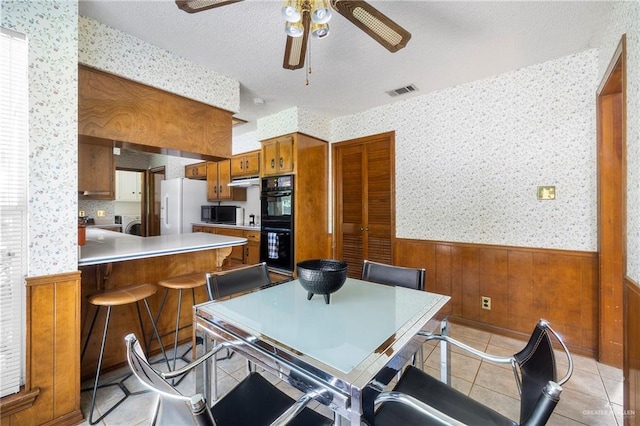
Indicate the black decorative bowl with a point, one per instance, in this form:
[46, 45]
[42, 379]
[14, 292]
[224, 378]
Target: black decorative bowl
[321, 276]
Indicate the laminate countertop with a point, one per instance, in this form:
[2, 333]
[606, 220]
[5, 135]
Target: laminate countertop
[104, 246]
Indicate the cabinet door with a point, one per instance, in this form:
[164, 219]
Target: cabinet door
[238, 166]
[196, 171]
[212, 181]
[270, 157]
[252, 248]
[285, 155]
[96, 171]
[128, 186]
[252, 164]
[224, 178]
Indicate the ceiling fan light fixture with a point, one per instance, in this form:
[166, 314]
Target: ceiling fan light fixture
[321, 12]
[291, 11]
[319, 31]
[294, 29]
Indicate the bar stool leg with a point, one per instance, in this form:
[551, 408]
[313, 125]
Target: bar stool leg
[164, 299]
[175, 336]
[155, 330]
[95, 384]
[124, 389]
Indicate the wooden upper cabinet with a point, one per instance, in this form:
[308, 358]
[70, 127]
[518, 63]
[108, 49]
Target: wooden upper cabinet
[196, 171]
[277, 156]
[246, 165]
[96, 168]
[125, 111]
[218, 178]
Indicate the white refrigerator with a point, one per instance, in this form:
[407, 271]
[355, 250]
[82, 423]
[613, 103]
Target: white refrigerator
[180, 205]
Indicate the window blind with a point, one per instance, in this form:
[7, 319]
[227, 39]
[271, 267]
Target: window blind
[13, 206]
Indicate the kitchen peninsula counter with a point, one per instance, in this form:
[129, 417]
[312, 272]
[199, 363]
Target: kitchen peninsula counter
[103, 246]
[110, 260]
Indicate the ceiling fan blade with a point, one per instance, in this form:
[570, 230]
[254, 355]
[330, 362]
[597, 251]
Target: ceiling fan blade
[373, 22]
[296, 47]
[193, 6]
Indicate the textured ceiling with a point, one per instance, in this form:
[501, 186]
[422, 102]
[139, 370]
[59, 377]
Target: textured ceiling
[452, 43]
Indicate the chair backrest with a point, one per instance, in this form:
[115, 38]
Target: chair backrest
[233, 281]
[537, 365]
[173, 407]
[393, 275]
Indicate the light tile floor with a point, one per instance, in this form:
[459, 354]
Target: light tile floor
[593, 395]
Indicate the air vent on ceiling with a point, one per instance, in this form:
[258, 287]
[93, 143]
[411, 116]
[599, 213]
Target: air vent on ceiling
[402, 90]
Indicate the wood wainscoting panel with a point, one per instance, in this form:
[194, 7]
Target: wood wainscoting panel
[631, 364]
[524, 284]
[53, 351]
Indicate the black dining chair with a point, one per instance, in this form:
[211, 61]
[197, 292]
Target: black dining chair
[382, 273]
[420, 399]
[253, 402]
[234, 281]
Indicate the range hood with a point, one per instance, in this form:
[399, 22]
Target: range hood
[245, 182]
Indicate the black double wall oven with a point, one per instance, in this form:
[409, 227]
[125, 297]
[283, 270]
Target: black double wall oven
[276, 233]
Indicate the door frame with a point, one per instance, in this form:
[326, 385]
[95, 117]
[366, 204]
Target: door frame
[611, 123]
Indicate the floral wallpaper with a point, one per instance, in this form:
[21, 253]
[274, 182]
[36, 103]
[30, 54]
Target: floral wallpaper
[113, 51]
[469, 159]
[245, 143]
[51, 29]
[294, 120]
[626, 19]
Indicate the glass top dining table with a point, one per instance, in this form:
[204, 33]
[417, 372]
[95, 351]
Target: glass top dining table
[339, 347]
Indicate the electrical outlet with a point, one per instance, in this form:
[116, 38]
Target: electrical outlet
[81, 213]
[100, 213]
[486, 303]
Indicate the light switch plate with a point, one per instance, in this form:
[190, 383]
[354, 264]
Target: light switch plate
[546, 193]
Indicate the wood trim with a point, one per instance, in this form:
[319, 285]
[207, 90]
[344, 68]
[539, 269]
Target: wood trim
[525, 284]
[52, 351]
[631, 365]
[22, 400]
[612, 217]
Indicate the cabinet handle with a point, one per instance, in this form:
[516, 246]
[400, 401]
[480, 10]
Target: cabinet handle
[246, 165]
[281, 161]
[362, 228]
[220, 189]
[241, 165]
[215, 189]
[273, 163]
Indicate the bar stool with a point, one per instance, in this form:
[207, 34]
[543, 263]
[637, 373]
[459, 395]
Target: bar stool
[182, 282]
[110, 298]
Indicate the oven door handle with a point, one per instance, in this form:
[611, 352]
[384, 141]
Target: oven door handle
[276, 194]
[284, 230]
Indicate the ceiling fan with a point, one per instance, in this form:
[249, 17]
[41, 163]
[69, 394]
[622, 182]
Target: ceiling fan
[309, 17]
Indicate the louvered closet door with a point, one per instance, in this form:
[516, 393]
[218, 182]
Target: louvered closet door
[364, 201]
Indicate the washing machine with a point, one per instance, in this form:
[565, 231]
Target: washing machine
[131, 224]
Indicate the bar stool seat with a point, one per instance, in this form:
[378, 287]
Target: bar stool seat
[181, 283]
[185, 282]
[121, 296]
